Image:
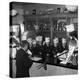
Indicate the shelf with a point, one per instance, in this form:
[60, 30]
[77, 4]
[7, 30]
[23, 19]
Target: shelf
[58, 15]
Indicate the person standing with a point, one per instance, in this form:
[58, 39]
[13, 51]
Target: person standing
[72, 41]
[14, 46]
[23, 62]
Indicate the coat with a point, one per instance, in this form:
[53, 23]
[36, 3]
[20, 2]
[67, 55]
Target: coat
[23, 63]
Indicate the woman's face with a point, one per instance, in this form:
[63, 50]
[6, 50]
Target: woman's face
[55, 40]
[29, 41]
[34, 43]
[47, 40]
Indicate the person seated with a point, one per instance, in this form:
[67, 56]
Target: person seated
[23, 62]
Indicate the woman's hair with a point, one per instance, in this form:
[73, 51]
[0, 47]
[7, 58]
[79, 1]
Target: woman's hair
[24, 43]
[74, 34]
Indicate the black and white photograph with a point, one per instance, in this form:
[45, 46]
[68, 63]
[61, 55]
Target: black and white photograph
[43, 39]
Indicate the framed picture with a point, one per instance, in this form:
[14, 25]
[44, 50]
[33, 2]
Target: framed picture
[49, 47]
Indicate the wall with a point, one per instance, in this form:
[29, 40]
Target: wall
[19, 18]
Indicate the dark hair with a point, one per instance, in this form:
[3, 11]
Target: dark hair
[24, 43]
[74, 34]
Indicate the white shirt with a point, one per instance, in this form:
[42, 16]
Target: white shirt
[14, 50]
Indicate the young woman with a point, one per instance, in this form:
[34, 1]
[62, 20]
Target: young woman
[72, 42]
[55, 46]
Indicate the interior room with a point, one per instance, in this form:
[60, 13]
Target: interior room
[51, 33]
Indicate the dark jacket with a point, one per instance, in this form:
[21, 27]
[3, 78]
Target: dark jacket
[55, 50]
[40, 50]
[23, 64]
[63, 48]
[46, 52]
[34, 51]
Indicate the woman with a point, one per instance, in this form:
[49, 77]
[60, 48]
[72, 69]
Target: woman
[23, 62]
[55, 46]
[72, 42]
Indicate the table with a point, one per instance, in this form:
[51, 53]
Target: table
[51, 71]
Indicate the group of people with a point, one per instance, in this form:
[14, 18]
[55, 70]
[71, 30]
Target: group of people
[59, 51]
[55, 53]
[45, 49]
